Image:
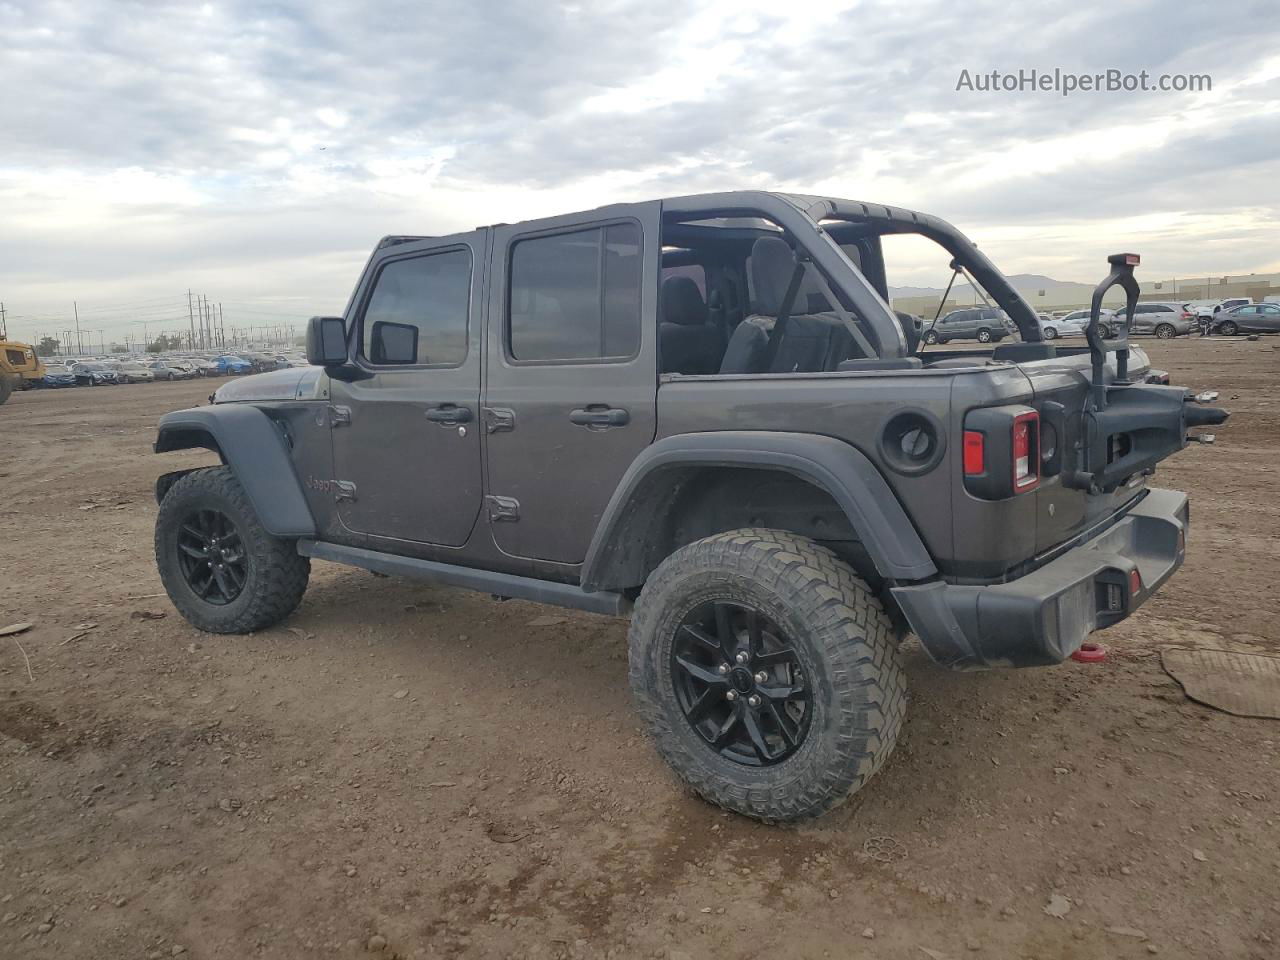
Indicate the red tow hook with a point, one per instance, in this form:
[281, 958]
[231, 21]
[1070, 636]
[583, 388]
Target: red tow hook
[1090, 653]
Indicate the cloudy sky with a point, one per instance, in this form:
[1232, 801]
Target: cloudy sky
[256, 151]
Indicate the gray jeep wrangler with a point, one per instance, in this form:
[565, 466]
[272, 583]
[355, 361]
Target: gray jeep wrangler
[700, 412]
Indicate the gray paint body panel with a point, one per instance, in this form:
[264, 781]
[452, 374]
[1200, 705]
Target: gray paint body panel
[834, 466]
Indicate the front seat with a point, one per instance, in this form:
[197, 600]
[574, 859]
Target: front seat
[687, 343]
[809, 342]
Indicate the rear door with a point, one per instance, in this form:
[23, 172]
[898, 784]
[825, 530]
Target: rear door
[406, 448]
[571, 380]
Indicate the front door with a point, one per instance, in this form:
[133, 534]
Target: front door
[406, 443]
[571, 381]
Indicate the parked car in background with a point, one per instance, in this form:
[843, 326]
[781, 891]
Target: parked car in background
[228, 364]
[131, 371]
[58, 375]
[1248, 318]
[1073, 324]
[203, 366]
[984, 324]
[1163, 320]
[94, 373]
[184, 365]
[169, 370]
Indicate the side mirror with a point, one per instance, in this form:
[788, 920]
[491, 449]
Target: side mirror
[326, 341]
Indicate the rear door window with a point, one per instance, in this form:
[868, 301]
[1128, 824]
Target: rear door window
[576, 296]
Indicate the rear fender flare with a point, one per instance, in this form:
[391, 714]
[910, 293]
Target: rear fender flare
[249, 442]
[617, 557]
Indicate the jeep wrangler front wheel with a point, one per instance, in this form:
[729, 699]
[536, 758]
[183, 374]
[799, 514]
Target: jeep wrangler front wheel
[221, 568]
[767, 672]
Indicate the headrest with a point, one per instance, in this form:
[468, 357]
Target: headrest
[772, 264]
[682, 302]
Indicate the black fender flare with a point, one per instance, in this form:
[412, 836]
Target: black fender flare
[253, 446]
[840, 469]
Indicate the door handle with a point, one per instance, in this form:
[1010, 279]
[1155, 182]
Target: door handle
[600, 417]
[449, 413]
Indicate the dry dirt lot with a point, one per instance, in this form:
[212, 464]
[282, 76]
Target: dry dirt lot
[437, 774]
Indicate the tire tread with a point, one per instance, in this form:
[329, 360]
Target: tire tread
[858, 644]
[282, 573]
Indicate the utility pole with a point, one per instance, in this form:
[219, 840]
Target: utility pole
[79, 343]
[4, 329]
[191, 318]
[222, 326]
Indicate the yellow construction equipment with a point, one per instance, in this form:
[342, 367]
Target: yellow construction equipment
[20, 368]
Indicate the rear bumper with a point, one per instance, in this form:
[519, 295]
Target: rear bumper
[1043, 618]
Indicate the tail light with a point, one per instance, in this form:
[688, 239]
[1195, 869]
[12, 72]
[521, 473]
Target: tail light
[1001, 454]
[1026, 451]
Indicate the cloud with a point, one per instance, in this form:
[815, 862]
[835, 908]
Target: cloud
[257, 150]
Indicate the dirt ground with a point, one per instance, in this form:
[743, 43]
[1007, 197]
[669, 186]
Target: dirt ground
[433, 773]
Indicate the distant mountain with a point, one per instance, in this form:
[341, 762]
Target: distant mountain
[1021, 281]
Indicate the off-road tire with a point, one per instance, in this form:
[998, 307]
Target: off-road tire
[984, 335]
[1228, 328]
[276, 575]
[1165, 331]
[847, 646]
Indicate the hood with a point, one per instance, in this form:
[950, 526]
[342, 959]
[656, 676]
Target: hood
[295, 383]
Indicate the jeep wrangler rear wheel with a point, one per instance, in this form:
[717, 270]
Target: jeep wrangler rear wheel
[223, 571]
[767, 672]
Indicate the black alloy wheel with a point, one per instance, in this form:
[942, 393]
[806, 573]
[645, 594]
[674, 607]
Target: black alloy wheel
[738, 682]
[211, 557]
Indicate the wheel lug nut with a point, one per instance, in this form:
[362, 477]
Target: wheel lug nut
[722, 669]
[741, 658]
[731, 695]
[753, 700]
[761, 677]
